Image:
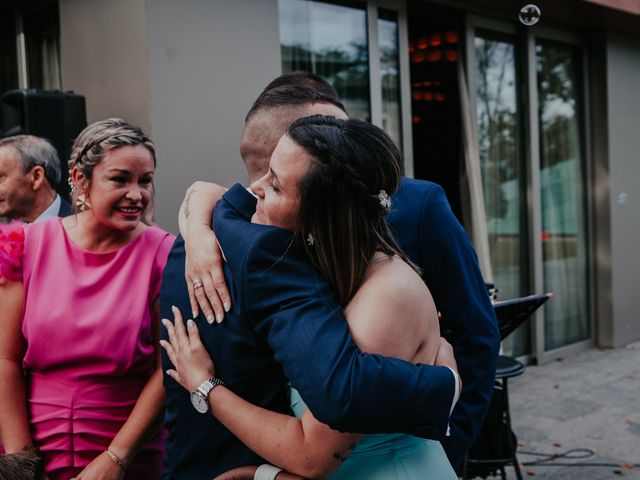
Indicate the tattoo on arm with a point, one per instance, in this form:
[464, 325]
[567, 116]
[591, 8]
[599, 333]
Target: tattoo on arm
[187, 202]
[341, 458]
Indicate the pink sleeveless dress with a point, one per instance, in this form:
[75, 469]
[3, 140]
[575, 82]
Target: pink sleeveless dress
[87, 321]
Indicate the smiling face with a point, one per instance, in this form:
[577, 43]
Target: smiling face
[278, 190]
[121, 187]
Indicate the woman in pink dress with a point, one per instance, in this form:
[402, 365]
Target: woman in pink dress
[79, 376]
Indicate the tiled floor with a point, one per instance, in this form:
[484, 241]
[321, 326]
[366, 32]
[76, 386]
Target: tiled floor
[588, 401]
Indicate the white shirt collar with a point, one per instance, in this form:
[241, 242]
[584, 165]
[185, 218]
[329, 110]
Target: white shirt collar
[251, 192]
[52, 210]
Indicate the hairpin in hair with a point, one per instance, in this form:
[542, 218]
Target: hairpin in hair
[385, 200]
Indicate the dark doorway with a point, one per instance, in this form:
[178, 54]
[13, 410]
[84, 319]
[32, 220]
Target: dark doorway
[435, 35]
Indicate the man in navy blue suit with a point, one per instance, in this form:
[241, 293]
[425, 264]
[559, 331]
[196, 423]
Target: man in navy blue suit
[286, 326]
[428, 232]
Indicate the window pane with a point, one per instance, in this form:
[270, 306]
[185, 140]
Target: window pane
[561, 183]
[8, 54]
[390, 74]
[329, 40]
[500, 147]
[42, 37]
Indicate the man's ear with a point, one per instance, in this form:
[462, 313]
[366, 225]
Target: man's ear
[37, 177]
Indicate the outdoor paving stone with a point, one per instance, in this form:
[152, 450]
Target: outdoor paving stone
[576, 473]
[635, 429]
[590, 400]
[568, 409]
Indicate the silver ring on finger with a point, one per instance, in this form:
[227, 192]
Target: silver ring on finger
[197, 284]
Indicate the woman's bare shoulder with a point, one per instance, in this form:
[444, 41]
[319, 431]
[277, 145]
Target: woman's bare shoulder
[397, 280]
[392, 311]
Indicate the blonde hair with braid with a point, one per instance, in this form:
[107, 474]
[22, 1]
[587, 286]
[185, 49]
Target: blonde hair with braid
[96, 140]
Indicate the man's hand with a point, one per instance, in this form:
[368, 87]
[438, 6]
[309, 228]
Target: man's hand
[445, 358]
[204, 274]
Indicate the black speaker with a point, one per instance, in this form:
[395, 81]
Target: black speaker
[57, 116]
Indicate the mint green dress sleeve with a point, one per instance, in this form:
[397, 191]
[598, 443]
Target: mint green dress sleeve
[388, 456]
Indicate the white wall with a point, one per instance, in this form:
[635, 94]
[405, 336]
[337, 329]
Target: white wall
[208, 61]
[104, 57]
[185, 71]
[623, 78]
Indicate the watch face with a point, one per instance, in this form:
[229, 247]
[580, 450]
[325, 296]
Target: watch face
[199, 402]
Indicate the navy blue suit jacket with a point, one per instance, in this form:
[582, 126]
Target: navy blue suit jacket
[286, 325]
[429, 233]
[65, 208]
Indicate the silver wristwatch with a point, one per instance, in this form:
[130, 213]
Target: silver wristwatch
[199, 398]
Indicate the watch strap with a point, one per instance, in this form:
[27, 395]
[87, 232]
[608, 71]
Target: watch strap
[205, 387]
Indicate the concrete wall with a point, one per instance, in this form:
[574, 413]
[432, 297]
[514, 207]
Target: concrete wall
[623, 98]
[186, 72]
[208, 61]
[104, 57]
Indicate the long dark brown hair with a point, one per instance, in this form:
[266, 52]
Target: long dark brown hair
[341, 206]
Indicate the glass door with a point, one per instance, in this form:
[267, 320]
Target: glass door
[529, 108]
[330, 40]
[564, 230]
[500, 149]
[389, 45]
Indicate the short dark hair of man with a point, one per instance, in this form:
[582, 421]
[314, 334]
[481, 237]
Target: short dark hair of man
[290, 95]
[301, 78]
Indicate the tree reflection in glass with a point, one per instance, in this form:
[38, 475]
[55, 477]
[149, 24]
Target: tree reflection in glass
[561, 183]
[329, 40]
[499, 142]
[390, 74]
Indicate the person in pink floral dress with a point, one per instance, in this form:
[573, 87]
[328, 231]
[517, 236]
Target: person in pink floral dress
[79, 360]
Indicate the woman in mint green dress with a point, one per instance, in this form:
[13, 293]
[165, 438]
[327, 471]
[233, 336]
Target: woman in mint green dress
[329, 181]
[388, 457]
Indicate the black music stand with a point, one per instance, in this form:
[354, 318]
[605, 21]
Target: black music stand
[514, 312]
[496, 445]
